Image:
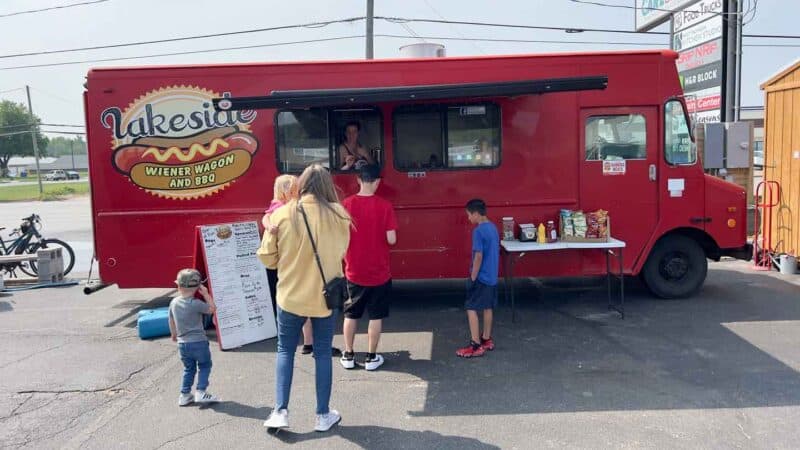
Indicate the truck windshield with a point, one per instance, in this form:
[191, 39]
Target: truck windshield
[678, 146]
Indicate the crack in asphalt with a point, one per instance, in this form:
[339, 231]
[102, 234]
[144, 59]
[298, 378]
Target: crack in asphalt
[16, 408]
[87, 391]
[184, 436]
[33, 354]
[92, 433]
[68, 426]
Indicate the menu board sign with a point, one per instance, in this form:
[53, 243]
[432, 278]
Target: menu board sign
[238, 282]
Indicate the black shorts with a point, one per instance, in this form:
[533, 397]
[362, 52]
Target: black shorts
[480, 296]
[375, 299]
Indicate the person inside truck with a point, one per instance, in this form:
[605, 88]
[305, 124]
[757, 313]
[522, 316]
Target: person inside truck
[353, 155]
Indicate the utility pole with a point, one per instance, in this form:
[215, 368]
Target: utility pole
[731, 22]
[739, 26]
[370, 35]
[33, 138]
[72, 152]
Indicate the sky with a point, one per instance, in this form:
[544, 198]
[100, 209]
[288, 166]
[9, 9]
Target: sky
[56, 91]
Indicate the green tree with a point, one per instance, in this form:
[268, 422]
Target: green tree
[62, 146]
[14, 119]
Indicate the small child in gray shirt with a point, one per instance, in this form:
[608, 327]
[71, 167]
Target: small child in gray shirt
[186, 326]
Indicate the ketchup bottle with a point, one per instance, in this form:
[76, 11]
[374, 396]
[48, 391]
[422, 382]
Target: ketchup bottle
[552, 236]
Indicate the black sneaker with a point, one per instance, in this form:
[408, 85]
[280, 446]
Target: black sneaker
[307, 349]
[348, 360]
[336, 352]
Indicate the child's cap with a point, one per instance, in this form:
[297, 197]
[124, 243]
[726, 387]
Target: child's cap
[370, 173]
[188, 278]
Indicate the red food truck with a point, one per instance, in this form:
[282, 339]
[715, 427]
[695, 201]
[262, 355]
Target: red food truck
[174, 147]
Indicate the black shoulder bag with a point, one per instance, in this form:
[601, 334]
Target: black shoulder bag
[335, 290]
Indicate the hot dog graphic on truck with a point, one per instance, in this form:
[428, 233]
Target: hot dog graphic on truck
[172, 143]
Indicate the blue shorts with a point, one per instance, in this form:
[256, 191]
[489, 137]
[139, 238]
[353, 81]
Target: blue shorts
[480, 296]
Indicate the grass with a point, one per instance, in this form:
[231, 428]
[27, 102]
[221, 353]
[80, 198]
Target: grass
[52, 191]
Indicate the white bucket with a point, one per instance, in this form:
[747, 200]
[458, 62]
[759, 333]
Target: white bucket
[787, 264]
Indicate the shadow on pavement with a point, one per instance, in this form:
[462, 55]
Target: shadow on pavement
[724, 348]
[236, 409]
[567, 353]
[384, 437]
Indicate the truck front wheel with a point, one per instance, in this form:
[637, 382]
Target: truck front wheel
[676, 268]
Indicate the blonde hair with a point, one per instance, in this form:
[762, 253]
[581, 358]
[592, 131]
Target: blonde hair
[284, 185]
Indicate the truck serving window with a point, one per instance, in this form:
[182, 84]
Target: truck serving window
[446, 136]
[678, 145]
[616, 137]
[316, 135]
[302, 139]
[368, 124]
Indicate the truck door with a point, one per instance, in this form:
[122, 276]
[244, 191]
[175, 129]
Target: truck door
[619, 161]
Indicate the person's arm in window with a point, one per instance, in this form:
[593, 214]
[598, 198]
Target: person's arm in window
[363, 152]
[346, 160]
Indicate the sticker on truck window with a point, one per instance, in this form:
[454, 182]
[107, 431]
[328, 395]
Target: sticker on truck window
[173, 144]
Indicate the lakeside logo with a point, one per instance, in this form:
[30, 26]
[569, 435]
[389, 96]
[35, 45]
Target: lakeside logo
[173, 144]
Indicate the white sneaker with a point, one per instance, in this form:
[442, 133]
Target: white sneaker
[185, 399]
[326, 421]
[348, 360]
[372, 364]
[278, 418]
[205, 397]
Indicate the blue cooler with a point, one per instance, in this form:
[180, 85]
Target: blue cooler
[153, 323]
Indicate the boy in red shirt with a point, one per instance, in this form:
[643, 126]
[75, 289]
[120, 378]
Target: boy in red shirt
[367, 265]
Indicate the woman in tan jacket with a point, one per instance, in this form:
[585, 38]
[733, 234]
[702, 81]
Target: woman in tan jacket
[300, 286]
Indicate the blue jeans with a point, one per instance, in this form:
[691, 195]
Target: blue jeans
[195, 356]
[289, 329]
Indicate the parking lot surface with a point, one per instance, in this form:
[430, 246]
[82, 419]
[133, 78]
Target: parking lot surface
[718, 370]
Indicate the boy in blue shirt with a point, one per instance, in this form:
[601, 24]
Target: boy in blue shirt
[482, 283]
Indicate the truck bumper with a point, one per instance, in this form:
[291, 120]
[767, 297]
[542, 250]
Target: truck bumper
[744, 253]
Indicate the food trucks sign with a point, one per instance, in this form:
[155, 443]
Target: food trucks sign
[173, 144]
[651, 13]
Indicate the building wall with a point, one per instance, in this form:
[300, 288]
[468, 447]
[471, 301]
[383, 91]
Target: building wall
[782, 156]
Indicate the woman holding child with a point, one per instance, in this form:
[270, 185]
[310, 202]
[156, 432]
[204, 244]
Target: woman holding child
[286, 247]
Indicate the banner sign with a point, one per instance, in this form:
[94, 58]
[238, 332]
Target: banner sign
[703, 77]
[651, 13]
[702, 32]
[702, 55]
[699, 12]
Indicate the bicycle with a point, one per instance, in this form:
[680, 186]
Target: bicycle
[28, 240]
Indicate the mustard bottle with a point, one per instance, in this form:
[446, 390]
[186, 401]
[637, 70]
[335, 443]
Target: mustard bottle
[541, 236]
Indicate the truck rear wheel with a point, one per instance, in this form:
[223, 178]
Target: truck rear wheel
[676, 268]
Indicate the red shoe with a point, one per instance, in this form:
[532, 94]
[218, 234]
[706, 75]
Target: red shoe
[487, 344]
[470, 352]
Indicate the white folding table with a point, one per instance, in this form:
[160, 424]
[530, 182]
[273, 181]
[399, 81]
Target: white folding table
[516, 250]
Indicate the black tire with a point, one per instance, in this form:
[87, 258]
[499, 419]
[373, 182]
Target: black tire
[67, 253]
[676, 268]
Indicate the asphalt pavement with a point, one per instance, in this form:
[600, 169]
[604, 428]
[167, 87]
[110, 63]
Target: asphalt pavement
[719, 370]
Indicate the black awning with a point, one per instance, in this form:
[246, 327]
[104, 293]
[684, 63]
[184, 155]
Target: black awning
[363, 96]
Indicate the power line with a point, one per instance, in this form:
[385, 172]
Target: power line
[391, 36]
[57, 97]
[19, 13]
[505, 25]
[77, 133]
[186, 38]
[88, 61]
[435, 11]
[609, 5]
[536, 41]
[12, 90]
[62, 125]
[567, 29]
